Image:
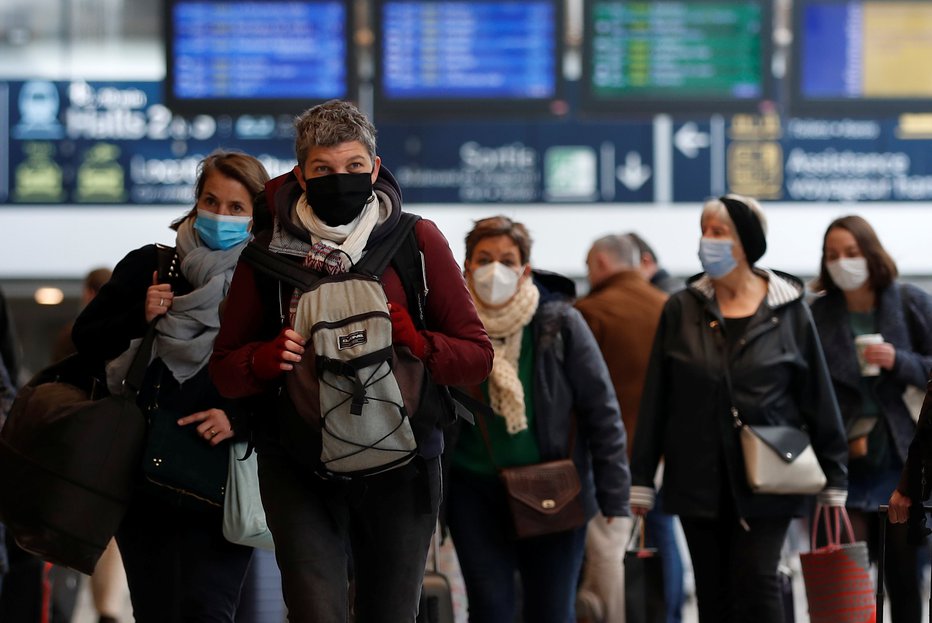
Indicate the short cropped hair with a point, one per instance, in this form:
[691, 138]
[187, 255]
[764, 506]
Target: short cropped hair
[500, 226]
[621, 247]
[329, 124]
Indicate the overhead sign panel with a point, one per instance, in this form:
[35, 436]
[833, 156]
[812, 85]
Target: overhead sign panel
[667, 56]
[475, 58]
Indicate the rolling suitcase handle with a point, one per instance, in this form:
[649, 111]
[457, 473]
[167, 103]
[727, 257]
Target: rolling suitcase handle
[436, 603]
[882, 511]
[881, 544]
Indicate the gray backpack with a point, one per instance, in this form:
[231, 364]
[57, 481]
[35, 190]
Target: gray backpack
[371, 400]
[363, 420]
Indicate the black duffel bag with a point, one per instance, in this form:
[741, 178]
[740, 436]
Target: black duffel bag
[69, 461]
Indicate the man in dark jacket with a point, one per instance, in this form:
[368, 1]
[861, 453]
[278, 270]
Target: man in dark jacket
[337, 205]
[650, 267]
[623, 310]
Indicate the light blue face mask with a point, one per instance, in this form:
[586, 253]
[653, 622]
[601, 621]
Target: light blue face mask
[221, 232]
[716, 257]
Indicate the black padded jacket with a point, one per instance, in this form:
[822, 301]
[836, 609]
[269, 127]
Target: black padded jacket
[779, 376]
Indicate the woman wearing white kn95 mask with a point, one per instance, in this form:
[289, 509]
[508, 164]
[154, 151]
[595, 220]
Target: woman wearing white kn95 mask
[550, 398]
[875, 333]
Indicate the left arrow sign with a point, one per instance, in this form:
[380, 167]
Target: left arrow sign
[689, 140]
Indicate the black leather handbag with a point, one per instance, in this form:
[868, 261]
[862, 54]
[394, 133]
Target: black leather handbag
[177, 460]
[69, 460]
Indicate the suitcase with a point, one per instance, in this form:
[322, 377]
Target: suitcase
[436, 603]
[882, 511]
[65, 585]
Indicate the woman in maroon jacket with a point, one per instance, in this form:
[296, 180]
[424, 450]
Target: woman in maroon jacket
[337, 205]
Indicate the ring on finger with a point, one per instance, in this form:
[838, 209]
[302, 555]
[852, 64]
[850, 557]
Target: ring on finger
[161, 302]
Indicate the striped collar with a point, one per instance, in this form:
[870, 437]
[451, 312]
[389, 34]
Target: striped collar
[781, 287]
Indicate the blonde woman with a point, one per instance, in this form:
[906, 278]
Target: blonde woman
[750, 325]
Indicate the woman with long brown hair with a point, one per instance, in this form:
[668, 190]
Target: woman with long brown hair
[875, 332]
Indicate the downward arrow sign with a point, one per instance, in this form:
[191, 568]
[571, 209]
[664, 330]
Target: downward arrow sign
[633, 174]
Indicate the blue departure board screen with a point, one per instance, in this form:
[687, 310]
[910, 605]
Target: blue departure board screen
[442, 51]
[257, 56]
[658, 55]
[867, 56]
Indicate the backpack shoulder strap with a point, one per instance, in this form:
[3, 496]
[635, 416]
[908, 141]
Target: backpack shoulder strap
[408, 262]
[377, 259]
[401, 250]
[257, 255]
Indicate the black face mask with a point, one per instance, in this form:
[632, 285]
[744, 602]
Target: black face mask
[338, 198]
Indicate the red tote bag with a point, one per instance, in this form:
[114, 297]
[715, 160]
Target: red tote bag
[837, 576]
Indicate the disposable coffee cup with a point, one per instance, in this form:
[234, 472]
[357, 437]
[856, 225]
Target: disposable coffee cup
[860, 343]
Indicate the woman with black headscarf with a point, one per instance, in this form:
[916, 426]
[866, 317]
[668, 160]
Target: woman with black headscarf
[738, 336]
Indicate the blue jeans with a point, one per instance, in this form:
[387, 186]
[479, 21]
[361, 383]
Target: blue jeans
[867, 492]
[489, 556]
[659, 532]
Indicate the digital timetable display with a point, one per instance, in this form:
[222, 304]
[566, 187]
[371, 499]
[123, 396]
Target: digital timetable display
[257, 56]
[436, 52]
[863, 55]
[663, 54]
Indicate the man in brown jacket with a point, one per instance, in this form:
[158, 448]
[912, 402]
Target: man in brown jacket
[623, 310]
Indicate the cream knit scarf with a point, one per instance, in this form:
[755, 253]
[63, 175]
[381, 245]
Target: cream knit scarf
[505, 326]
[348, 240]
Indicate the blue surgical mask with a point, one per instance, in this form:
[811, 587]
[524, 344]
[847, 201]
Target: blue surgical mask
[221, 232]
[716, 257]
